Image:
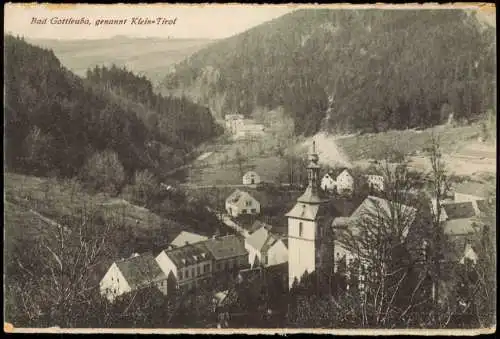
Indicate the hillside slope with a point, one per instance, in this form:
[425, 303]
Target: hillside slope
[150, 57]
[55, 121]
[349, 70]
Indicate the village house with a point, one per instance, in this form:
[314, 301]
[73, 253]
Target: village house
[134, 273]
[185, 238]
[265, 248]
[328, 183]
[234, 122]
[338, 180]
[249, 128]
[240, 202]
[345, 182]
[251, 178]
[187, 265]
[375, 182]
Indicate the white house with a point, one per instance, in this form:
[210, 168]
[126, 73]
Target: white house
[251, 178]
[185, 238]
[131, 274]
[328, 183]
[265, 248]
[234, 122]
[240, 202]
[186, 265]
[345, 182]
[375, 182]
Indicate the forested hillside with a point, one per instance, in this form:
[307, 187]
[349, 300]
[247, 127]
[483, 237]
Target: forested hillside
[58, 123]
[346, 70]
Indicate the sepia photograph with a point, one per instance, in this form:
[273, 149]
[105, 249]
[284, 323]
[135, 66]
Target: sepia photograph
[230, 168]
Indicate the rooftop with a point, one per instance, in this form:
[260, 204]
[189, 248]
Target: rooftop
[224, 247]
[459, 210]
[262, 239]
[187, 238]
[188, 255]
[140, 270]
[237, 195]
[475, 188]
[463, 226]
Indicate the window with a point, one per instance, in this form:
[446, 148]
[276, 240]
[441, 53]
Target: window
[187, 273]
[207, 268]
[194, 272]
[180, 274]
[243, 211]
[301, 229]
[254, 210]
[248, 203]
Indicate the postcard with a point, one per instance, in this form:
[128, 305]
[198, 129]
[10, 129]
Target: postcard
[231, 168]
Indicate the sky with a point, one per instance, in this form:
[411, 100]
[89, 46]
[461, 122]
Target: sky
[209, 21]
[192, 21]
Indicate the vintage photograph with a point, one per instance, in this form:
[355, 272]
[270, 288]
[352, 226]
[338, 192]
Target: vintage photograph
[250, 168]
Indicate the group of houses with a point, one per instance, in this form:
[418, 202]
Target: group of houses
[241, 127]
[341, 181]
[317, 227]
[192, 259]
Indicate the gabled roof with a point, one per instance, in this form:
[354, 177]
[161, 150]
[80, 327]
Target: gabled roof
[262, 240]
[224, 247]
[475, 188]
[337, 171]
[188, 255]
[187, 238]
[381, 208]
[251, 173]
[238, 195]
[140, 270]
[259, 224]
[459, 210]
[375, 205]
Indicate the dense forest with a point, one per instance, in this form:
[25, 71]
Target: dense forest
[58, 123]
[349, 70]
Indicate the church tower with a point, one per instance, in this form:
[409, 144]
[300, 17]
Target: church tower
[304, 224]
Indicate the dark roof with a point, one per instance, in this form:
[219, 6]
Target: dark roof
[140, 270]
[334, 173]
[459, 210]
[258, 225]
[473, 188]
[188, 254]
[225, 247]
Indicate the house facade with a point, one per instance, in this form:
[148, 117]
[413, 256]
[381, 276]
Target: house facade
[328, 183]
[265, 248]
[240, 202]
[127, 275]
[345, 182]
[251, 178]
[188, 265]
[375, 182]
[234, 122]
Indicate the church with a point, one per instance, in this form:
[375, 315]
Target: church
[316, 224]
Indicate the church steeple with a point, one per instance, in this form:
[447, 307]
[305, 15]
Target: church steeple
[312, 193]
